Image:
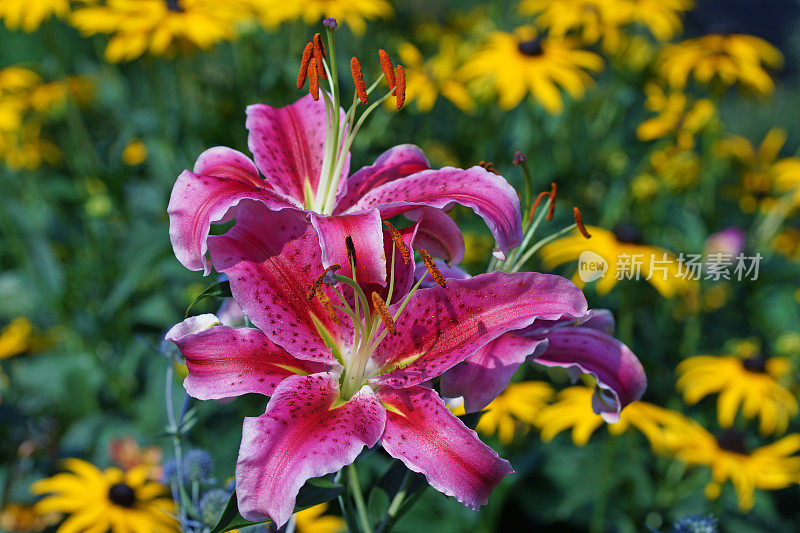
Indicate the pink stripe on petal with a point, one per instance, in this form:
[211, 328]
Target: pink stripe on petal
[301, 436]
[288, 144]
[271, 259]
[482, 376]
[395, 163]
[198, 200]
[366, 231]
[224, 362]
[423, 433]
[441, 327]
[489, 195]
[619, 373]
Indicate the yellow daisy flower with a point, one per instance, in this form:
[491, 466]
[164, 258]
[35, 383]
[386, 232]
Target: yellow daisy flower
[314, 520]
[764, 174]
[625, 256]
[15, 338]
[354, 13]
[787, 243]
[426, 80]
[521, 62]
[678, 116]
[677, 168]
[751, 383]
[518, 403]
[664, 18]
[22, 519]
[572, 409]
[99, 500]
[592, 20]
[729, 58]
[770, 467]
[28, 15]
[161, 26]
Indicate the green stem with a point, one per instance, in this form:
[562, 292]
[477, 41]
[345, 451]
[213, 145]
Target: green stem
[358, 497]
[536, 247]
[396, 503]
[606, 466]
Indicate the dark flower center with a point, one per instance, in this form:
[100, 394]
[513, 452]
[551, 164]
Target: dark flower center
[732, 440]
[757, 364]
[628, 233]
[122, 495]
[531, 48]
[174, 5]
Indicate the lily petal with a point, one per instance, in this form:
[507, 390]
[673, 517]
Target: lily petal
[288, 144]
[224, 362]
[438, 234]
[395, 163]
[301, 435]
[489, 195]
[441, 327]
[423, 433]
[271, 259]
[225, 162]
[198, 200]
[620, 376]
[366, 231]
[482, 376]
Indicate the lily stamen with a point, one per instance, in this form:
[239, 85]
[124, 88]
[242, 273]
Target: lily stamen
[322, 279]
[397, 239]
[488, 166]
[313, 79]
[553, 193]
[303, 74]
[327, 304]
[383, 312]
[387, 68]
[579, 222]
[400, 88]
[319, 55]
[358, 79]
[434, 271]
[536, 203]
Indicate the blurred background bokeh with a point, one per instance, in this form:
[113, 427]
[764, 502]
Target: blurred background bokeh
[673, 124]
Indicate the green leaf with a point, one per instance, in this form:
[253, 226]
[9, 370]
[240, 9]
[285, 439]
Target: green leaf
[471, 419]
[221, 289]
[314, 492]
[397, 478]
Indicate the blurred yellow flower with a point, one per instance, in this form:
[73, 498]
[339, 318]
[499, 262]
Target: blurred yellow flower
[678, 168]
[787, 243]
[477, 247]
[426, 80]
[161, 26]
[519, 403]
[730, 58]
[626, 257]
[573, 409]
[522, 62]
[752, 384]
[28, 15]
[126, 453]
[15, 338]
[596, 20]
[110, 499]
[314, 520]
[769, 467]
[18, 518]
[134, 153]
[763, 173]
[354, 13]
[678, 116]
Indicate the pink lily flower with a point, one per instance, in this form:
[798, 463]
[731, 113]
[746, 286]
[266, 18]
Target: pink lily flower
[581, 345]
[344, 371]
[292, 149]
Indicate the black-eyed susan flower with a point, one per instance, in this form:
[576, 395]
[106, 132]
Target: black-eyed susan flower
[731, 59]
[514, 410]
[523, 62]
[677, 116]
[427, 79]
[28, 15]
[771, 467]
[764, 173]
[161, 27]
[752, 384]
[354, 13]
[570, 411]
[314, 520]
[625, 256]
[102, 500]
[663, 18]
[591, 20]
